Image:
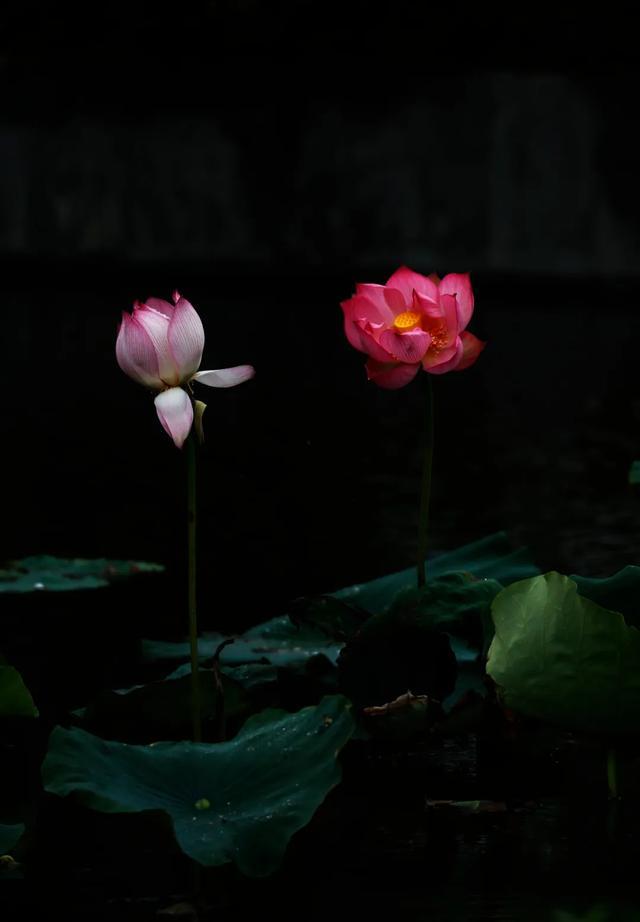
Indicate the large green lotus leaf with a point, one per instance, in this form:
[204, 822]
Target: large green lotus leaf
[489, 558]
[460, 605]
[162, 710]
[250, 676]
[247, 675]
[562, 658]
[597, 914]
[238, 801]
[10, 836]
[620, 592]
[395, 652]
[457, 603]
[281, 642]
[15, 698]
[55, 574]
[277, 642]
[634, 473]
[331, 616]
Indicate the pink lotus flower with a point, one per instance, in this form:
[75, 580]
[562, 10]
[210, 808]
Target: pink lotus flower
[412, 322]
[160, 346]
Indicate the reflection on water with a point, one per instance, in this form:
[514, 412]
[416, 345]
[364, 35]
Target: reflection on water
[555, 860]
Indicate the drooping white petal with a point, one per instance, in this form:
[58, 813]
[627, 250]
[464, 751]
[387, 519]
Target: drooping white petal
[186, 339]
[175, 412]
[225, 377]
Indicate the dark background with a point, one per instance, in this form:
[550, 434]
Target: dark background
[263, 159]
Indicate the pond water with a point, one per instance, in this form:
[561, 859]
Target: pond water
[377, 853]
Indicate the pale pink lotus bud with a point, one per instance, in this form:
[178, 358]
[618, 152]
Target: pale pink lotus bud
[160, 346]
[412, 322]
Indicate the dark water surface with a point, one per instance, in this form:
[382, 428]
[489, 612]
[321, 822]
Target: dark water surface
[374, 849]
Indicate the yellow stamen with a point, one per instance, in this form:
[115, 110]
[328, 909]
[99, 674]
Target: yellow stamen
[407, 320]
[439, 339]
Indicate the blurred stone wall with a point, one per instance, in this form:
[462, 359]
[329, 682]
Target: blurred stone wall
[518, 172]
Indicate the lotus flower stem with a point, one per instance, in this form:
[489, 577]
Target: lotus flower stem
[425, 491]
[612, 773]
[196, 710]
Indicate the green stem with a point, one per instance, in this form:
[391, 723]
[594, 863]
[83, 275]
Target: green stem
[425, 491]
[196, 710]
[612, 773]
